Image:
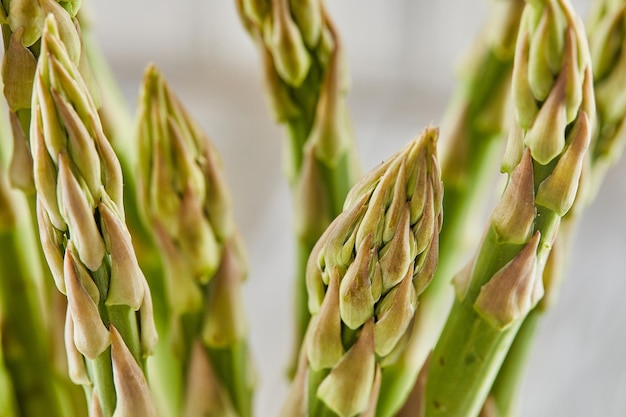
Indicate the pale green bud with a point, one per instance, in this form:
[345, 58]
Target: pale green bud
[52, 243]
[196, 237]
[373, 219]
[79, 216]
[65, 78]
[314, 281]
[149, 335]
[91, 336]
[546, 136]
[331, 132]
[45, 175]
[429, 260]
[396, 256]
[131, 388]
[126, 282]
[341, 230]
[540, 75]
[398, 352]
[605, 40]
[425, 227]
[111, 170]
[323, 345]
[76, 368]
[72, 6]
[84, 275]
[44, 119]
[311, 214]
[558, 191]
[366, 184]
[526, 107]
[217, 200]
[205, 394]
[224, 319]
[419, 190]
[514, 216]
[255, 10]
[29, 15]
[81, 146]
[18, 72]
[396, 209]
[308, 16]
[514, 149]
[356, 299]
[183, 293]
[281, 103]
[62, 26]
[574, 76]
[348, 387]
[21, 165]
[291, 58]
[513, 291]
[393, 315]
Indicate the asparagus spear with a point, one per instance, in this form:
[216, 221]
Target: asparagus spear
[8, 402]
[554, 109]
[22, 25]
[364, 278]
[186, 201]
[86, 243]
[471, 136]
[38, 386]
[306, 81]
[608, 56]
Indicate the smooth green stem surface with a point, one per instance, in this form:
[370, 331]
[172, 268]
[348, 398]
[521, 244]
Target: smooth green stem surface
[461, 375]
[24, 336]
[469, 352]
[233, 367]
[505, 388]
[8, 401]
[101, 372]
[466, 172]
[316, 407]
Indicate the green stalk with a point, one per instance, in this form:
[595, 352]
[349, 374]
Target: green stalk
[305, 78]
[554, 107]
[86, 243]
[364, 278]
[471, 140]
[608, 53]
[186, 203]
[8, 402]
[505, 387]
[26, 344]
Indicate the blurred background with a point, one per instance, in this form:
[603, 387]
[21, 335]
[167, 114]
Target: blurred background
[402, 56]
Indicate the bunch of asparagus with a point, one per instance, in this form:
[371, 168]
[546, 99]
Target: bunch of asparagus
[133, 288]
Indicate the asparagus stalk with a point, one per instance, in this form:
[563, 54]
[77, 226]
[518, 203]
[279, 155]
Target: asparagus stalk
[554, 109]
[306, 81]
[28, 357]
[109, 325]
[185, 200]
[22, 25]
[471, 137]
[364, 278]
[118, 127]
[608, 56]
